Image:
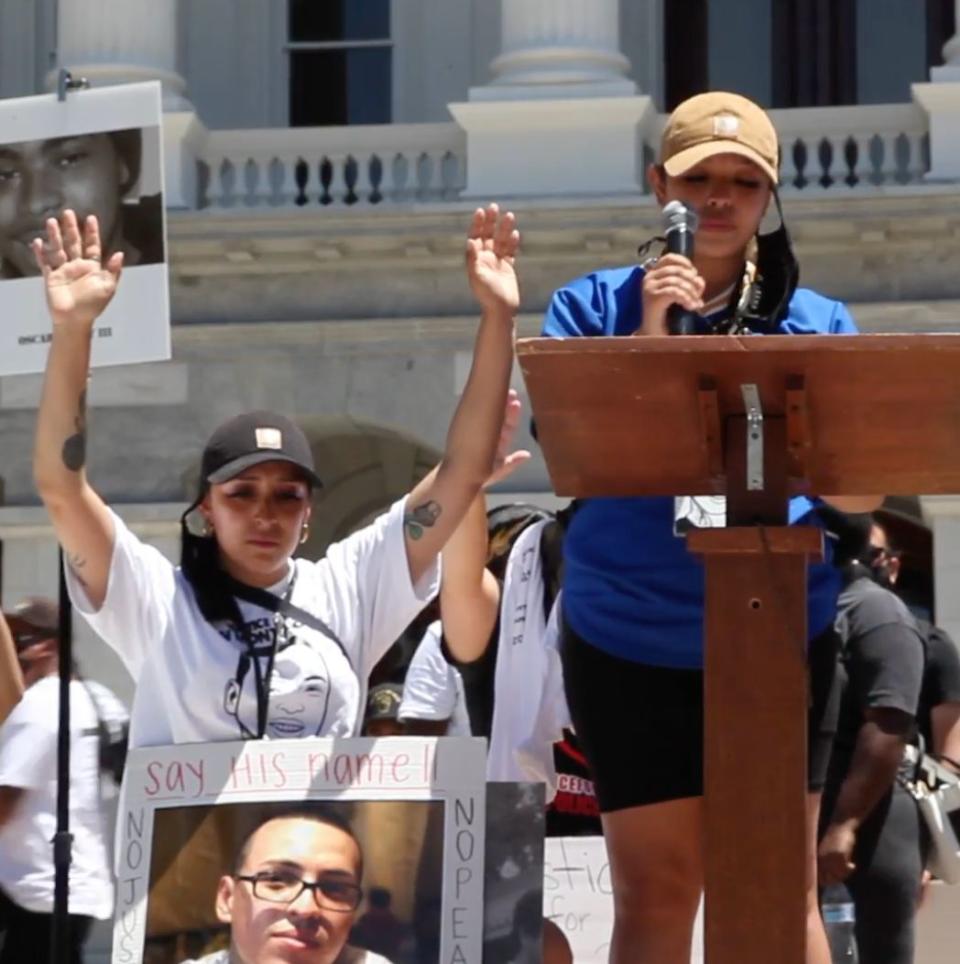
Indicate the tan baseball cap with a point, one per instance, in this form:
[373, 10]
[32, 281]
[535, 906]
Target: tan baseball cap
[719, 123]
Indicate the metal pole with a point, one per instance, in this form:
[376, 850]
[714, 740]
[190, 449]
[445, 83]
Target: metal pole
[63, 839]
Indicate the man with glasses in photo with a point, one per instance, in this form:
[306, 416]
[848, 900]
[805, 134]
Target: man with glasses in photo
[293, 895]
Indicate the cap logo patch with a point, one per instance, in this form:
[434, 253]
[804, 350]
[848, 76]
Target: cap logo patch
[269, 438]
[726, 125]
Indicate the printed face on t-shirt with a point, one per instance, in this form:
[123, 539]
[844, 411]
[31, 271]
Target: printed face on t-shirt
[299, 697]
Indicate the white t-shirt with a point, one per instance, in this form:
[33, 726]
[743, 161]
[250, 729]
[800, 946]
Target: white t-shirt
[433, 689]
[349, 955]
[28, 759]
[198, 682]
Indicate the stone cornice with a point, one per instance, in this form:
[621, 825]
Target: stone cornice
[223, 242]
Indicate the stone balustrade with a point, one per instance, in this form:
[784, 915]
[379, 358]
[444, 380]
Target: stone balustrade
[859, 150]
[333, 167]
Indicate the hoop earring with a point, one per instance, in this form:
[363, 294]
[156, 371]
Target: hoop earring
[305, 533]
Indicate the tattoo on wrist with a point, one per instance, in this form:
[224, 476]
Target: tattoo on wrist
[422, 517]
[74, 453]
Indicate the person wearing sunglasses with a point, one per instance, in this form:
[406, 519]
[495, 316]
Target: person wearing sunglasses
[293, 894]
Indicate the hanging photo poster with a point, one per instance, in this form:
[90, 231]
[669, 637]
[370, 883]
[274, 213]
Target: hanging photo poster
[97, 152]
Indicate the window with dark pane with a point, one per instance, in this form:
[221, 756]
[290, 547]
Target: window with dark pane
[814, 53]
[341, 62]
[339, 20]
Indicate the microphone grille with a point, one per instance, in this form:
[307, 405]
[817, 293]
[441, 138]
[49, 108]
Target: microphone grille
[679, 216]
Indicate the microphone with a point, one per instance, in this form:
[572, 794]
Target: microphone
[680, 223]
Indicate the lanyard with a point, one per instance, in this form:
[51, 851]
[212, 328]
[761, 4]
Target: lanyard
[279, 640]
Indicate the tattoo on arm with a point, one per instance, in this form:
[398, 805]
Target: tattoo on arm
[74, 452]
[422, 517]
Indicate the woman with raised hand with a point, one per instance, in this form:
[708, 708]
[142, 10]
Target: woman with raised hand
[241, 640]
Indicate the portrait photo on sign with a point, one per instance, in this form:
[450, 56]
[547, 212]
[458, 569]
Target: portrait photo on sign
[321, 851]
[513, 874]
[324, 880]
[97, 153]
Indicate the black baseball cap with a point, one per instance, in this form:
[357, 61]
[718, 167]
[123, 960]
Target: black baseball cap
[252, 438]
[32, 621]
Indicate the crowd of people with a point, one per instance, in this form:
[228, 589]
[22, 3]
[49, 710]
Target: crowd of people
[559, 637]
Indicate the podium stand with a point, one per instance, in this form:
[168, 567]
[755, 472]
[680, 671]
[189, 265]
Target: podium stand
[756, 419]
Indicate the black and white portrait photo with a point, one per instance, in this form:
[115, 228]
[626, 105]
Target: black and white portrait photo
[99, 154]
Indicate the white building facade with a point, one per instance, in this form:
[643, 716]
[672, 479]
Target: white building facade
[322, 160]
[321, 163]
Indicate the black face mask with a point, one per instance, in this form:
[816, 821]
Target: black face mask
[767, 302]
[880, 574]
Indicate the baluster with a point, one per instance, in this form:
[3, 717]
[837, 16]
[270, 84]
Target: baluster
[399, 168]
[252, 182]
[862, 168]
[218, 187]
[337, 189]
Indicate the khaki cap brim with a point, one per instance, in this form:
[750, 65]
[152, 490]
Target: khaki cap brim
[682, 162]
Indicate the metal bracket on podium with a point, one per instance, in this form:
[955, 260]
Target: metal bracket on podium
[751, 401]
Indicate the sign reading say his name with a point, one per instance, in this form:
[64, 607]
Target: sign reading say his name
[406, 817]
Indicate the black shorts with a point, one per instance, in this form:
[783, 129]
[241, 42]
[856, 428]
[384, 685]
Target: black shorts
[641, 727]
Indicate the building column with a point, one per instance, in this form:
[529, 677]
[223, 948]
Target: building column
[560, 115]
[120, 42]
[552, 43]
[951, 50]
[942, 514]
[941, 100]
[127, 41]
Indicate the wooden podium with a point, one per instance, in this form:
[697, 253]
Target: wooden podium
[756, 419]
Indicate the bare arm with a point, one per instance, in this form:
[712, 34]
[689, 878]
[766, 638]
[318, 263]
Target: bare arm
[9, 798]
[78, 290]
[945, 723]
[11, 678]
[438, 503]
[469, 592]
[873, 770]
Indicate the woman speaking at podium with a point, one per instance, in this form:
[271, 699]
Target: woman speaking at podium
[632, 595]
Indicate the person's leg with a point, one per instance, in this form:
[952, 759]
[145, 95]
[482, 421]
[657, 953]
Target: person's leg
[886, 883]
[641, 730]
[656, 866]
[79, 930]
[556, 947]
[27, 935]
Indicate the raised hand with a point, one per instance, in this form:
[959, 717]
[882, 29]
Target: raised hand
[79, 286]
[505, 462]
[492, 244]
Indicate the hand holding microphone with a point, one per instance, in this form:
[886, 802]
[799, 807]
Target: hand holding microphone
[673, 288]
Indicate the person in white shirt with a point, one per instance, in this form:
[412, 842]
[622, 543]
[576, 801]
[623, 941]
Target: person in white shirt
[242, 641]
[433, 700]
[293, 894]
[11, 677]
[28, 798]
